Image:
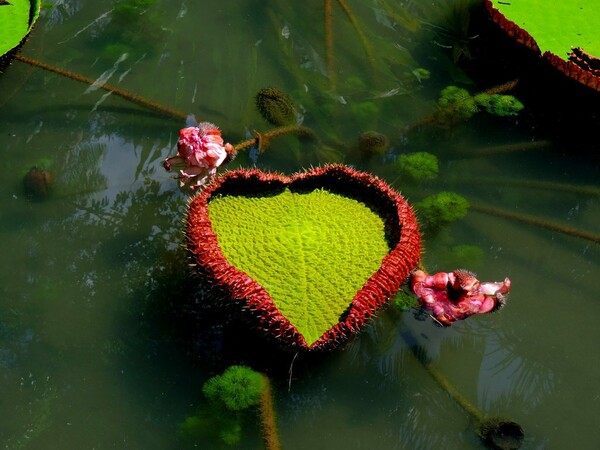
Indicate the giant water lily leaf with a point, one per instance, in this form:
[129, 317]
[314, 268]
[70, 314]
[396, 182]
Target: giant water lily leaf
[554, 29]
[16, 21]
[312, 255]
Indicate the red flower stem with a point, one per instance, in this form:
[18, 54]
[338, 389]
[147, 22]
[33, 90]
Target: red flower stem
[107, 87]
[532, 220]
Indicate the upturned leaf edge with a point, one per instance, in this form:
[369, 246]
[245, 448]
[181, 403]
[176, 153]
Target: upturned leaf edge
[237, 287]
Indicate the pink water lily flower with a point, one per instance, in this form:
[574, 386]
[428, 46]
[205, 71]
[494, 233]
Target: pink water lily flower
[457, 295]
[200, 151]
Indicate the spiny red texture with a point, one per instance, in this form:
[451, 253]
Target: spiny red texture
[512, 29]
[574, 71]
[395, 268]
[569, 68]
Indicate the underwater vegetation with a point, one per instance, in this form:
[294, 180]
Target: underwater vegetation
[438, 210]
[236, 389]
[319, 116]
[232, 396]
[456, 104]
[419, 166]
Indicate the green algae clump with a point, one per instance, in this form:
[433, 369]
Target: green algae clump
[442, 209]
[238, 388]
[457, 103]
[419, 166]
[499, 105]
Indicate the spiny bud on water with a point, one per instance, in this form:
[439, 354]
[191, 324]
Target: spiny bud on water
[276, 106]
[373, 143]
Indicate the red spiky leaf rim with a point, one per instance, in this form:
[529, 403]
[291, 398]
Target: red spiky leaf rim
[255, 303]
[581, 67]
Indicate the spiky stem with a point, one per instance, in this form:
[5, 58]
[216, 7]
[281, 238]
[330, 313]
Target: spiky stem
[506, 148]
[262, 140]
[533, 220]
[329, 45]
[359, 31]
[107, 87]
[268, 418]
[531, 184]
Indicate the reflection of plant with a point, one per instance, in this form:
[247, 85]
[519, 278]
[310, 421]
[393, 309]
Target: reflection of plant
[133, 28]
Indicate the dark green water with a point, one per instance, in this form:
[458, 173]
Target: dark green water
[96, 350]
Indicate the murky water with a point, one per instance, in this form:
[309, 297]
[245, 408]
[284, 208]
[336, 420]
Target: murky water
[97, 349]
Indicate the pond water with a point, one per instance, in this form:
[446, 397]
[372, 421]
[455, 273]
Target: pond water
[100, 346]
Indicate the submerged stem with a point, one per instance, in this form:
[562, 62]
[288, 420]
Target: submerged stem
[359, 31]
[107, 87]
[268, 418]
[329, 45]
[262, 140]
[531, 184]
[533, 220]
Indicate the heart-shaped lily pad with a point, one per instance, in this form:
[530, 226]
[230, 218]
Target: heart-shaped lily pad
[312, 255]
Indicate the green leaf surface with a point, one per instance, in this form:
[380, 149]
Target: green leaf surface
[16, 20]
[557, 26]
[312, 252]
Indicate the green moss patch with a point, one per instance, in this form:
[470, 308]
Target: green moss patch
[556, 26]
[312, 252]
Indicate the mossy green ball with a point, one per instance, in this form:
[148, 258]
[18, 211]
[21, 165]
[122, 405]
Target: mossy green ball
[441, 209]
[418, 166]
[238, 388]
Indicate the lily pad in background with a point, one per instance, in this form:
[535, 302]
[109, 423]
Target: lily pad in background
[564, 33]
[17, 18]
[310, 257]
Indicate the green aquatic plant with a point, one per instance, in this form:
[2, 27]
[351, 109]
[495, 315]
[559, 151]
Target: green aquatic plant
[133, 28]
[438, 210]
[365, 112]
[499, 104]
[212, 422]
[419, 166]
[421, 74]
[238, 388]
[404, 300]
[276, 106]
[233, 393]
[456, 103]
